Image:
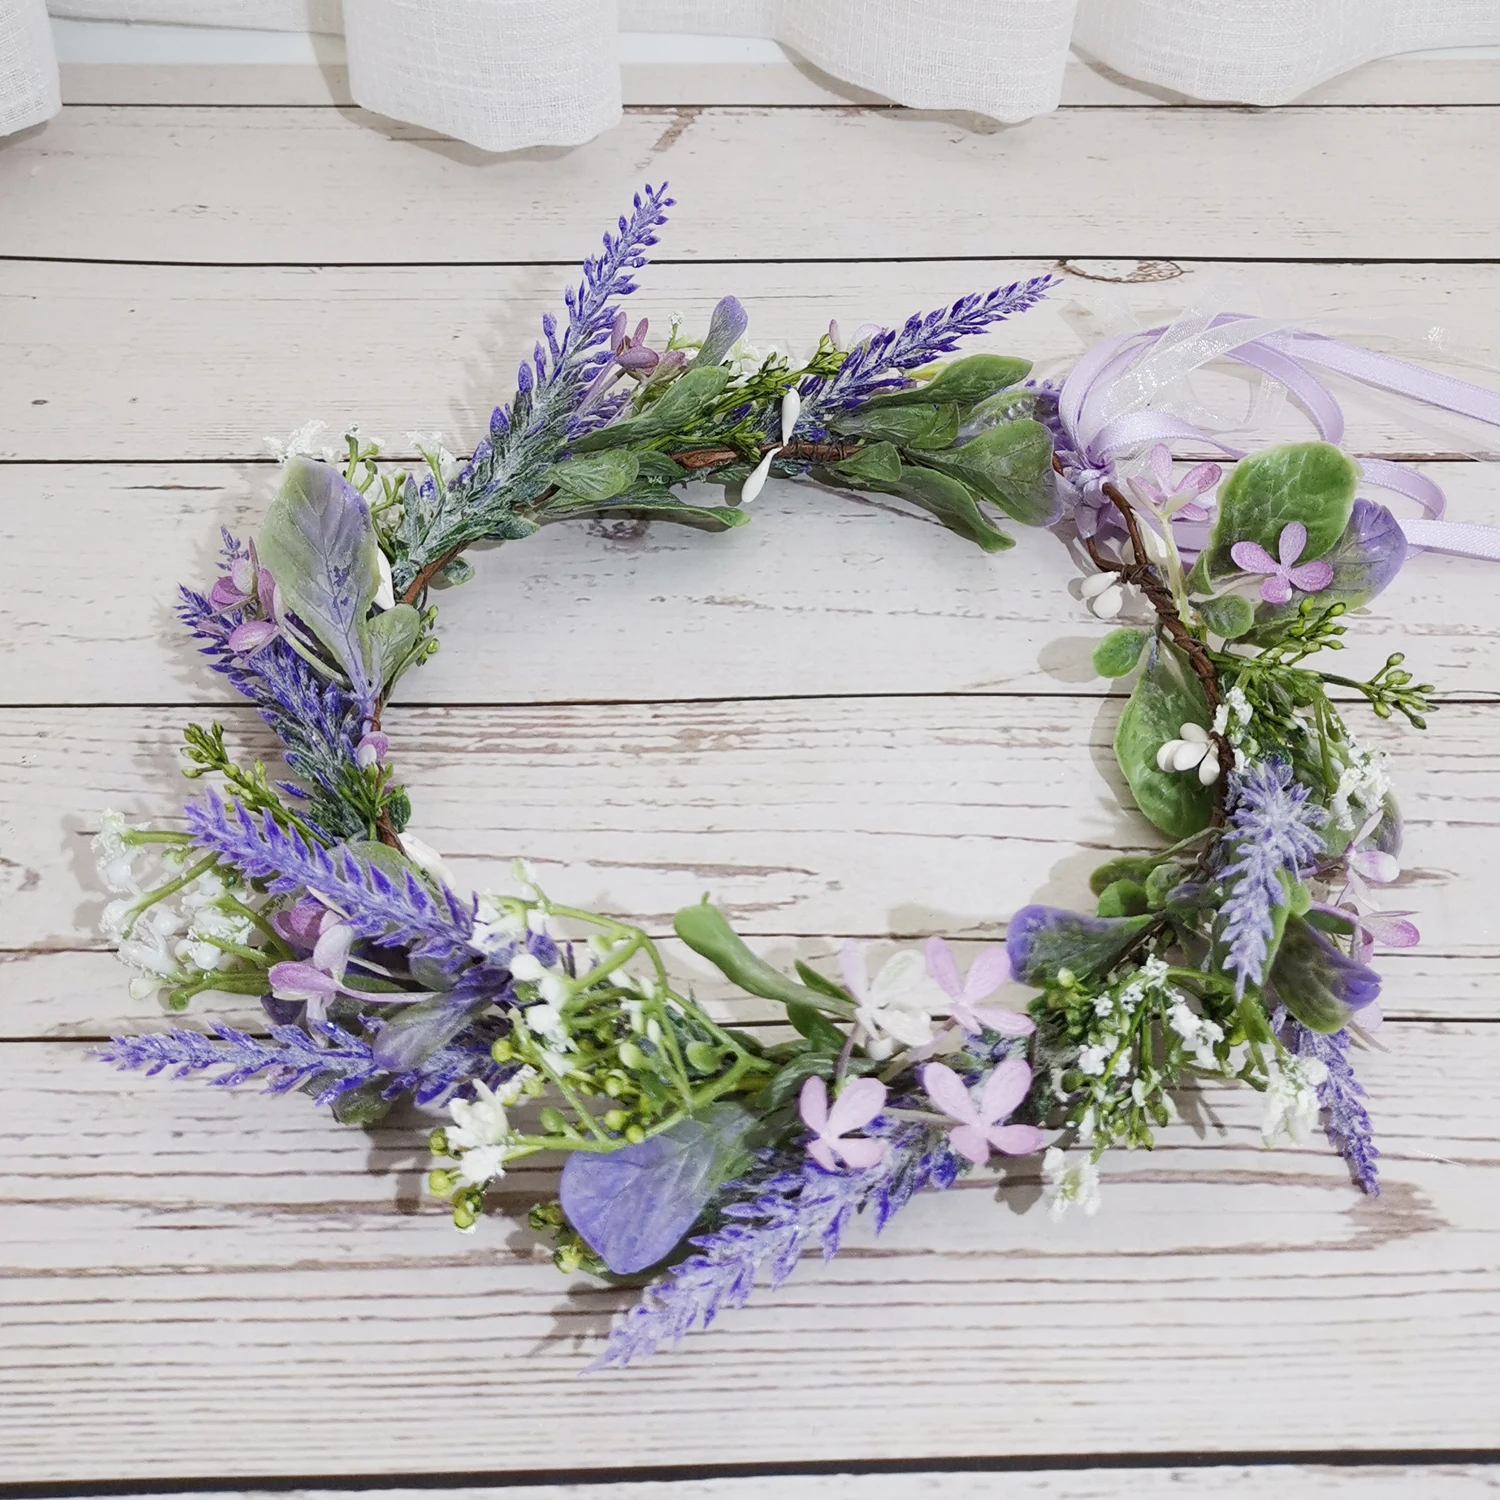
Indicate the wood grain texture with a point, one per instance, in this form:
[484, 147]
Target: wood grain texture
[853, 815]
[822, 593]
[202, 362]
[1236, 1481]
[245, 185]
[188, 1272]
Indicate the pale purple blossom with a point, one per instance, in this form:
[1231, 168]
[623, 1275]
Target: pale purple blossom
[318, 979]
[1175, 499]
[857, 1104]
[980, 1128]
[372, 749]
[250, 636]
[990, 969]
[1364, 867]
[1286, 573]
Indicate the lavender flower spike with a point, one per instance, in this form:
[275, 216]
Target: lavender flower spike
[1273, 828]
[1345, 1118]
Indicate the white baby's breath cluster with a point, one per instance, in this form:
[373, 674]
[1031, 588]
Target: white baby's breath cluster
[1292, 1085]
[1069, 1184]
[1363, 783]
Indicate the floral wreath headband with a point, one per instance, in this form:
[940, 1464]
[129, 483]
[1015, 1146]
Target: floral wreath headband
[699, 1157]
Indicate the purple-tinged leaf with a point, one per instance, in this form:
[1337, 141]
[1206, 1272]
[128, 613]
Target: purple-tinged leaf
[725, 328]
[1366, 557]
[1042, 940]
[633, 1205]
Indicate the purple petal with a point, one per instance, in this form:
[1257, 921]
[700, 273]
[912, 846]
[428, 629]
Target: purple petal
[1199, 479]
[1312, 576]
[861, 1154]
[941, 968]
[812, 1104]
[1006, 1022]
[225, 594]
[301, 981]
[1276, 589]
[1015, 1140]
[857, 1104]
[638, 359]
[1161, 466]
[855, 970]
[1006, 1088]
[990, 969]
[970, 1141]
[949, 1092]
[1253, 558]
[822, 1153]
[1392, 930]
[1376, 865]
[251, 636]
[331, 953]
[1291, 543]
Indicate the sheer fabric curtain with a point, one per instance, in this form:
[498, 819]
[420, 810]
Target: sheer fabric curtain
[504, 74]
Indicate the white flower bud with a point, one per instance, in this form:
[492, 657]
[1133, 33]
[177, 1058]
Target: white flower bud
[757, 480]
[791, 409]
[385, 595]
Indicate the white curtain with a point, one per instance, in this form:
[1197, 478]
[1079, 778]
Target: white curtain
[503, 74]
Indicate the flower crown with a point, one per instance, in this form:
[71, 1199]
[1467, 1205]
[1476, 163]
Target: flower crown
[697, 1155]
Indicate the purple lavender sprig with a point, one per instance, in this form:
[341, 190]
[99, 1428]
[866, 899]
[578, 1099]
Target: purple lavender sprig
[328, 1063]
[870, 370]
[1345, 1119]
[772, 1219]
[318, 724]
[1273, 830]
[508, 467]
[392, 910]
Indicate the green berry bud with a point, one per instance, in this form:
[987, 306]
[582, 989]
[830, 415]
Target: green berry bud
[632, 1056]
[567, 1259]
[437, 1143]
[554, 1122]
[634, 1134]
[615, 1119]
[464, 1217]
[440, 1183]
[502, 1051]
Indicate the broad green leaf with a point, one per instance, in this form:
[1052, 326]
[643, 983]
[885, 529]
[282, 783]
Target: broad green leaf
[1125, 898]
[1227, 615]
[680, 405]
[965, 381]
[950, 501]
[943, 430]
[1123, 867]
[391, 637]
[658, 506]
[1167, 696]
[1165, 878]
[659, 468]
[819, 982]
[906, 425]
[595, 476]
[319, 543]
[1317, 982]
[1119, 651]
[875, 467]
[815, 1026]
[1308, 482]
[1010, 466]
[1043, 940]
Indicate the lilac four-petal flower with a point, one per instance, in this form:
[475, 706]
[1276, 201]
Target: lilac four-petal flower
[1286, 574]
[318, 979]
[990, 969]
[857, 1104]
[981, 1128]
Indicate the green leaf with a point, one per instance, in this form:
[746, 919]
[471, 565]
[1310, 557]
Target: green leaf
[1044, 940]
[965, 381]
[1163, 880]
[1167, 696]
[391, 637]
[651, 507]
[680, 405]
[1307, 978]
[819, 982]
[815, 1026]
[1124, 898]
[1227, 615]
[659, 468]
[319, 543]
[877, 467]
[1252, 1016]
[1309, 482]
[1123, 867]
[1119, 651]
[1010, 466]
[595, 476]
[929, 426]
[950, 501]
[706, 931]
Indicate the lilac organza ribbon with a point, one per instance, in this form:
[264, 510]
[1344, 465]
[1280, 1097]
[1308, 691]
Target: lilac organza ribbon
[1289, 355]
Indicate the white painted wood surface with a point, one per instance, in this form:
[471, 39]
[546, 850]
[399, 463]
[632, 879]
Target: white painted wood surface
[192, 184]
[200, 1283]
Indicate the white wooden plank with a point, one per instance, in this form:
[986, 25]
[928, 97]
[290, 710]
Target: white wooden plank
[900, 816]
[189, 1273]
[245, 185]
[202, 362]
[791, 82]
[823, 593]
[1279, 1481]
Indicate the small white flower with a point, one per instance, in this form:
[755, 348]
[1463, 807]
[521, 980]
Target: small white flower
[1184, 1022]
[757, 480]
[422, 854]
[897, 1005]
[515, 1085]
[526, 967]
[1103, 594]
[1239, 704]
[479, 1121]
[1194, 751]
[1221, 718]
[305, 442]
[1104, 1005]
[1092, 1060]
[791, 409]
[1067, 1185]
[547, 1020]
[552, 988]
[1292, 1099]
[480, 1165]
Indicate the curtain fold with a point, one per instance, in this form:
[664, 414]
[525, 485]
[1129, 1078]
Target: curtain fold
[503, 74]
